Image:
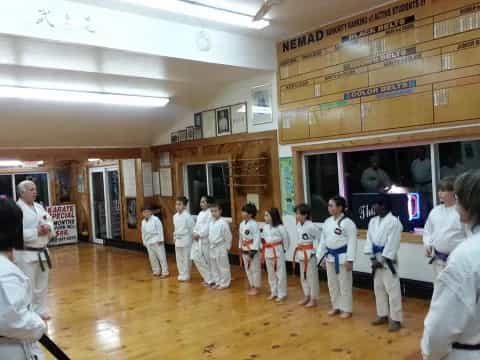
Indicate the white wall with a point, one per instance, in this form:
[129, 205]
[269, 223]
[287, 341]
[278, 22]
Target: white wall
[230, 94]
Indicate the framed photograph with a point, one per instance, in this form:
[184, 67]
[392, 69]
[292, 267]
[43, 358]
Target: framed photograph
[197, 133]
[182, 135]
[190, 133]
[132, 213]
[197, 120]
[208, 124]
[262, 104]
[239, 118]
[174, 137]
[223, 121]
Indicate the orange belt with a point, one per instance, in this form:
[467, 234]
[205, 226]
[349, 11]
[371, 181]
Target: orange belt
[248, 244]
[273, 246]
[304, 248]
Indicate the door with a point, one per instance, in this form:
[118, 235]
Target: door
[105, 204]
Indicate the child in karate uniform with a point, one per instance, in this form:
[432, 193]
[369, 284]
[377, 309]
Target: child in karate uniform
[383, 243]
[276, 242]
[153, 240]
[249, 244]
[201, 246]
[337, 252]
[308, 238]
[443, 230]
[183, 232]
[220, 240]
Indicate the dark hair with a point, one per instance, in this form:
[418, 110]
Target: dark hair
[447, 184]
[250, 209]
[147, 208]
[183, 200]
[209, 199]
[276, 217]
[383, 201]
[342, 202]
[303, 209]
[216, 205]
[11, 229]
[467, 190]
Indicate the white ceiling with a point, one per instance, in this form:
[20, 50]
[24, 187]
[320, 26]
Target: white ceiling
[288, 18]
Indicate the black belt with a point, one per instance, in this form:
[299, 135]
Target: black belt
[41, 251]
[468, 347]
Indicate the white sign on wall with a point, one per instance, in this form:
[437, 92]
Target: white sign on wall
[65, 223]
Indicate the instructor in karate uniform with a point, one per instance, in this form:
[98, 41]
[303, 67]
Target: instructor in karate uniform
[452, 326]
[34, 260]
[20, 326]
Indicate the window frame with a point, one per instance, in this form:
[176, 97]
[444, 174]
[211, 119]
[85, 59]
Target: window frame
[29, 172]
[434, 158]
[206, 163]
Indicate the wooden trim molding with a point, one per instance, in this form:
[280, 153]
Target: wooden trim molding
[58, 154]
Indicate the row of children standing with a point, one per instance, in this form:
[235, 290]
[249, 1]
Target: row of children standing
[334, 246]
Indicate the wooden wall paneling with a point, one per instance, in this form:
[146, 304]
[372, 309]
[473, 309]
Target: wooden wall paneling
[457, 103]
[294, 124]
[338, 118]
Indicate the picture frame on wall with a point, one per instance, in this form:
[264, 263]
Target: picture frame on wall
[174, 137]
[197, 133]
[197, 120]
[208, 124]
[182, 136]
[223, 117]
[262, 104]
[132, 213]
[239, 118]
[190, 133]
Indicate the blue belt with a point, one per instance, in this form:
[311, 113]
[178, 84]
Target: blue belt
[377, 249]
[440, 255]
[336, 254]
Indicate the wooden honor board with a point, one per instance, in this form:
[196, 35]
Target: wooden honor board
[411, 64]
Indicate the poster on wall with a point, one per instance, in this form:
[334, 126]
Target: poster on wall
[132, 213]
[166, 182]
[63, 185]
[129, 180]
[223, 121]
[208, 124]
[239, 118]
[287, 185]
[81, 183]
[156, 183]
[262, 104]
[147, 179]
[65, 223]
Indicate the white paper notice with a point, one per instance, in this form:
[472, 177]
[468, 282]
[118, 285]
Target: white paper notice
[147, 179]
[156, 183]
[166, 182]
[129, 180]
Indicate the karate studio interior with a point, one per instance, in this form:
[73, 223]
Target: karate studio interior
[239, 179]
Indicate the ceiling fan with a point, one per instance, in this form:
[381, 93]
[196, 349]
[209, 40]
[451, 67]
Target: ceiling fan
[265, 8]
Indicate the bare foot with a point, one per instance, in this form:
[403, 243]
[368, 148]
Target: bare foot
[253, 292]
[164, 276]
[334, 312]
[46, 317]
[312, 303]
[304, 301]
[345, 315]
[280, 300]
[272, 297]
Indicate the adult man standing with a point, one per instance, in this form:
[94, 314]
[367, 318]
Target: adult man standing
[34, 260]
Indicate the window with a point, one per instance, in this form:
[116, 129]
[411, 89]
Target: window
[209, 179]
[455, 158]
[6, 186]
[41, 180]
[322, 183]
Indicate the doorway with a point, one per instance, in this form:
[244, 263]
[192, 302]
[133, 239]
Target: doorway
[105, 204]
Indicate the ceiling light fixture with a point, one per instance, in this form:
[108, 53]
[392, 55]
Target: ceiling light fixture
[10, 163]
[11, 92]
[203, 11]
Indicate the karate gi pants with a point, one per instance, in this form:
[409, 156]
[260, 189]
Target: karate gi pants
[277, 279]
[340, 287]
[310, 284]
[388, 295]
[438, 267]
[202, 261]
[39, 281]
[253, 269]
[220, 266]
[184, 264]
[158, 258]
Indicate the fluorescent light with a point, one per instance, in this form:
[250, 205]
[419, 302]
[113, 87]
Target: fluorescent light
[202, 11]
[81, 97]
[93, 160]
[10, 163]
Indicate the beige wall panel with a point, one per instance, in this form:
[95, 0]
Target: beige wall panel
[457, 103]
[297, 91]
[335, 121]
[294, 124]
[344, 83]
[402, 111]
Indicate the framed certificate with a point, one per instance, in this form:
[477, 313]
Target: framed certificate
[223, 121]
[239, 118]
[208, 124]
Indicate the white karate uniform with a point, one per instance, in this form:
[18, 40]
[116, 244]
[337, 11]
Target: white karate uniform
[386, 232]
[183, 230]
[28, 261]
[444, 232]
[152, 237]
[454, 315]
[335, 236]
[201, 247]
[220, 239]
[422, 175]
[308, 234]
[20, 326]
[250, 232]
[277, 278]
[375, 180]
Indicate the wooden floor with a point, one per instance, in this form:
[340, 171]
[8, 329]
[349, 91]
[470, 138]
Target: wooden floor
[106, 305]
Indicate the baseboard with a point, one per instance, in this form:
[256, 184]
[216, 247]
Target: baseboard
[410, 288]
